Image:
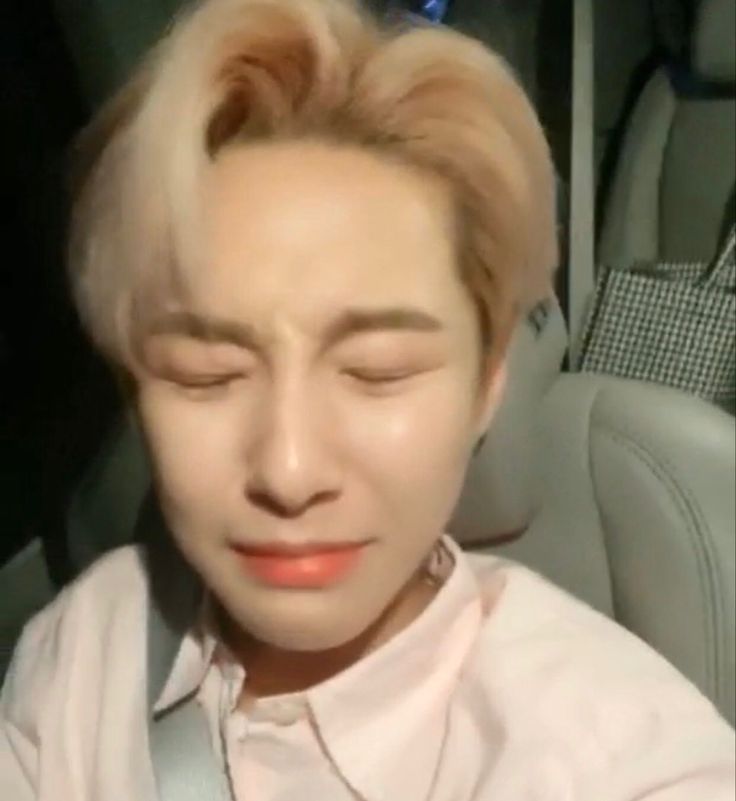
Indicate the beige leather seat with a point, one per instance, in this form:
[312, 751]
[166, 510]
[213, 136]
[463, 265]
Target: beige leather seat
[673, 184]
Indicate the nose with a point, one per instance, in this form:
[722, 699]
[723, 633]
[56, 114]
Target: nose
[291, 467]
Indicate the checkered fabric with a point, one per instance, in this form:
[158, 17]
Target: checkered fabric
[668, 323]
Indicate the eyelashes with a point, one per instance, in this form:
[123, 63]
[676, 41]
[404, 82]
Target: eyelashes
[217, 386]
[379, 377]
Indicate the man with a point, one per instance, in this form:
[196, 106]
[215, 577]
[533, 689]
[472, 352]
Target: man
[303, 242]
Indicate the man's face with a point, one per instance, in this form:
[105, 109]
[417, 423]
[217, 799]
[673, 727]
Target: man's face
[334, 400]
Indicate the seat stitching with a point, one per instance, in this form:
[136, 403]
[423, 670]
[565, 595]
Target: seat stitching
[700, 540]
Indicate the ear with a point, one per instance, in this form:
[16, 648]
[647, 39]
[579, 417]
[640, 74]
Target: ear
[491, 392]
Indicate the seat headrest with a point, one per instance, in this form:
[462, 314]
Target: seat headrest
[501, 492]
[714, 41]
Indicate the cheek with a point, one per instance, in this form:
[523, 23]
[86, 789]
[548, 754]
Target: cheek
[417, 446]
[192, 449]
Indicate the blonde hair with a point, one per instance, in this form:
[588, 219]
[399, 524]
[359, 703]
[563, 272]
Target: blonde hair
[242, 71]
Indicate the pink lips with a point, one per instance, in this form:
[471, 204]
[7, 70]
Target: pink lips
[311, 565]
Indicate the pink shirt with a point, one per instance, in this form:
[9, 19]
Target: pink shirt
[504, 689]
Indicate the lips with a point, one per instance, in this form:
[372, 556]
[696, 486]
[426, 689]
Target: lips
[310, 565]
[296, 549]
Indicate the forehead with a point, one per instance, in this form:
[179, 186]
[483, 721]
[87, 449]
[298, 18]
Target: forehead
[307, 226]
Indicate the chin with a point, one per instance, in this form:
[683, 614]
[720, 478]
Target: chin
[299, 635]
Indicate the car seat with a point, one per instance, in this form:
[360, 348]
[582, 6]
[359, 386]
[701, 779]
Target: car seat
[669, 197]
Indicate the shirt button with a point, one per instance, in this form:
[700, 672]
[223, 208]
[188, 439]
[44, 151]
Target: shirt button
[281, 713]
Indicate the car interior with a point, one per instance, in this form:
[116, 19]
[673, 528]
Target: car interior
[620, 491]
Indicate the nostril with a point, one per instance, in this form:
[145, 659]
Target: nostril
[273, 505]
[286, 508]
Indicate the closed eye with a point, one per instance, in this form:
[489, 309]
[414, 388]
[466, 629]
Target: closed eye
[380, 376]
[200, 386]
[204, 380]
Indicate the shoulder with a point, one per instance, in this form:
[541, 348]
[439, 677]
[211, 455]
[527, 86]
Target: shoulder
[74, 630]
[576, 678]
[541, 633]
[111, 583]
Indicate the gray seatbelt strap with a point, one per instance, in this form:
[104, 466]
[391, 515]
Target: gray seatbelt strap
[184, 762]
[581, 279]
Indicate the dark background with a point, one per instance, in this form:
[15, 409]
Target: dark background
[55, 397]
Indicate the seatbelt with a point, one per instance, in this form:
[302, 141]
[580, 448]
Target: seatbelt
[184, 762]
[581, 262]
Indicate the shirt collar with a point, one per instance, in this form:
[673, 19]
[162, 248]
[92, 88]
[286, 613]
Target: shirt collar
[382, 720]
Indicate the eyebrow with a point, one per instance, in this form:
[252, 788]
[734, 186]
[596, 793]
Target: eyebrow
[360, 321]
[349, 323]
[205, 329]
